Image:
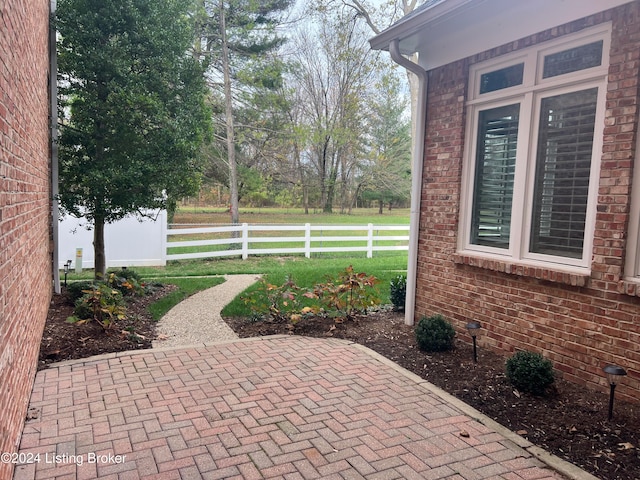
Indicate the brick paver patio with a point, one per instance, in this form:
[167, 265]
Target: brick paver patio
[277, 407]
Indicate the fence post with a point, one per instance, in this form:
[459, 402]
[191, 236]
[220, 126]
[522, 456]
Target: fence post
[370, 241]
[245, 241]
[307, 240]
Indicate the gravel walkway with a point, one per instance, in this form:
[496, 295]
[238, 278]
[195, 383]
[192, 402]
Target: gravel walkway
[197, 320]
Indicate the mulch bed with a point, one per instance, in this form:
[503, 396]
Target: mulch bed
[570, 421]
[66, 341]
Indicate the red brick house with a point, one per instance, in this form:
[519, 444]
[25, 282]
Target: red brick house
[526, 213]
[25, 207]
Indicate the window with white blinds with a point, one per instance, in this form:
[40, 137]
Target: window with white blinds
[536, 127]
[563, 169]
[495, 167]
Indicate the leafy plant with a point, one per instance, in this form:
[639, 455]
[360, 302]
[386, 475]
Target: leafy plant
[75, 290]
[132, 336]
[127, 274]
[347, 295]
[398, 291]
[100, 303]
[530, 372]
[434, 334]
[278, 302]
[127, 283]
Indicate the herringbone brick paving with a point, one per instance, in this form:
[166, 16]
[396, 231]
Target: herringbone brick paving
[278, 407]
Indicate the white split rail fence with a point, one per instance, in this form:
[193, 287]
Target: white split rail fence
[310, 240]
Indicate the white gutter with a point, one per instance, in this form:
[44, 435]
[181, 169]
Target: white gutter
[416, 176]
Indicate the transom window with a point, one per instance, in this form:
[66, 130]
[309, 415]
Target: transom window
[534, 141]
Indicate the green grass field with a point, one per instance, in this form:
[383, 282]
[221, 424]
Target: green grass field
[360, 216]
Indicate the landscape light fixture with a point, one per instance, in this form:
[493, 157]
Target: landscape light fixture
[67, 266]
[614, 375]
[473, 328]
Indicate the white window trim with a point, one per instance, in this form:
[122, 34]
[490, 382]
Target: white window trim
[529, 96]
[632, 258]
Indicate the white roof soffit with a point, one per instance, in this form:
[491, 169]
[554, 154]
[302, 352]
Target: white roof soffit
[410, 25]
[449, 30]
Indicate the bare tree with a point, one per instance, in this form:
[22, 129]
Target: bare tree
[378, 17]
[333, 69]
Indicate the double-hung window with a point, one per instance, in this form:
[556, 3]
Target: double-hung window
[532, 154]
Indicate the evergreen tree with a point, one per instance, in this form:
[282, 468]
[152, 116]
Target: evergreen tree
[239, 37]
[388, 177]
[133, 115]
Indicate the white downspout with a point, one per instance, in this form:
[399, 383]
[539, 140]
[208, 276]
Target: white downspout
[416, 177]
[53, 92]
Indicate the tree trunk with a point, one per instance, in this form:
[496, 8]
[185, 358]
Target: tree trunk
[331, 193]
[303, 180]
[100, 260]
[331, 187]
[354, 199]
[231, 150]
[344, 180]
[380, 206]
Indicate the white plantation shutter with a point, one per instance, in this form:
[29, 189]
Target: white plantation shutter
[494, 176]
[563, 168]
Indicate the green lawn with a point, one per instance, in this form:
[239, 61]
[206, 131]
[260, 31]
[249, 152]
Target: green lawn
[360, 216]
[304, 271]
[307, 272]
[275, 269]
[187, 286]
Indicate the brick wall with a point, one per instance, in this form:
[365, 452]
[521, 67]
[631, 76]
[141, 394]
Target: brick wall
[25, 260]
[580, 322]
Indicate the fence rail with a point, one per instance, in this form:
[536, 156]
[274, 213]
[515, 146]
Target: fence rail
[245, 240]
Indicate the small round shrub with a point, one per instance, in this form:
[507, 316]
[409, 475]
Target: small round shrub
[434, 334]
[398, 291]
[529, 372]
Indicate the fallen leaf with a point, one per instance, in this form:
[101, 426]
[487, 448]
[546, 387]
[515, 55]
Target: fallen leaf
[625, 446]
[162, 336]
[33, 413]
[464, 434]
[522, 432]
[329, 333]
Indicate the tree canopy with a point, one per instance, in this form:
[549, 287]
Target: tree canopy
[239, 38]
[132, 108]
